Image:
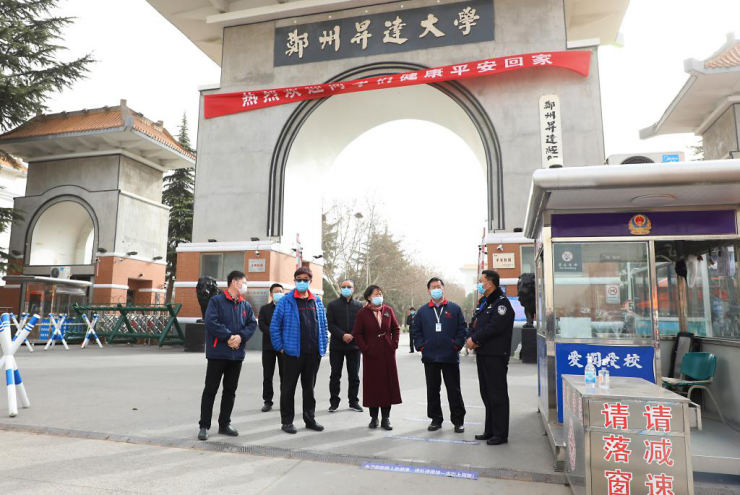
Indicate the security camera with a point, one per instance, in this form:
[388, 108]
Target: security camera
[257, 253]
[500, 247]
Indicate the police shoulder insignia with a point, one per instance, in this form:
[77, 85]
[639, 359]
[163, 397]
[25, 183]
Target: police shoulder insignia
[502, 310]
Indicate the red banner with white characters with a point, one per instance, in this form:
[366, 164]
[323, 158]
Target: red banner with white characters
[245, 101]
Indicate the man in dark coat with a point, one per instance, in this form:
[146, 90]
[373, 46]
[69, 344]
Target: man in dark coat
[341, 314]
[229, 322]
[409, 322]
[492, 327]
[439, 332]
[269, 356]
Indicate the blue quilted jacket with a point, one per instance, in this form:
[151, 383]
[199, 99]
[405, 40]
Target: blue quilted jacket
[285, 327]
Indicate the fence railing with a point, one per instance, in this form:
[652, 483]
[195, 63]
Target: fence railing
[119, 323]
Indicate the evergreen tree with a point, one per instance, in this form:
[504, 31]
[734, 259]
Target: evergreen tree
[30, 70]
[178, 195]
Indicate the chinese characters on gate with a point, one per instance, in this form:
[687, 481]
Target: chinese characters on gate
[409, 29]
[550, 131]
[621, 480]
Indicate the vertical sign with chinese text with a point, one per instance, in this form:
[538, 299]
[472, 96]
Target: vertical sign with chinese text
[390, 32]
[551, 131]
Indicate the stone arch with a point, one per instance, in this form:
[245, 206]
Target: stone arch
[64, 231]
[452, 89]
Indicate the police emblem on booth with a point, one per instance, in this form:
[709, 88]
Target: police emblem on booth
[502, 310]
[640, 225]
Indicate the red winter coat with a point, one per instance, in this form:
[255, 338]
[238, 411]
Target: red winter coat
[378, 345]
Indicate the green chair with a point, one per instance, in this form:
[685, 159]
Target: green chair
[697, 371]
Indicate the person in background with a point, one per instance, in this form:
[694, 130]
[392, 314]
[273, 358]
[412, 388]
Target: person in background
[341, 314]
[269, 356]
[300, 332]
[229, 323]
[409, 322]
[492, 327]
[439, 331]
[377, 333]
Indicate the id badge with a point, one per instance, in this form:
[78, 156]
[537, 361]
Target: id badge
[438, 328]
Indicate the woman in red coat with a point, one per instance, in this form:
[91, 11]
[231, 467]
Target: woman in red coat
[376, 333]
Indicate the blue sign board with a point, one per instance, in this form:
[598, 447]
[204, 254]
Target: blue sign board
[630, 361]
[673, 157]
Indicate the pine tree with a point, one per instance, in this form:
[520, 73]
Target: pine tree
[178, 195]
[30, 70]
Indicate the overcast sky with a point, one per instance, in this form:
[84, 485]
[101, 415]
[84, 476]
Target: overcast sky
[144, 59]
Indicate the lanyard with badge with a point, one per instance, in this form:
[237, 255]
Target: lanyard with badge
[438, 327]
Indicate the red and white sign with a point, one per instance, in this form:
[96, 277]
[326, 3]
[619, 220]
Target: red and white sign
[618, 482]
[616, 415]
[245, 101]
[658, 418]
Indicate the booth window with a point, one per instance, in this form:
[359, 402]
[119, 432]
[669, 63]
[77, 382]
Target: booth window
[602, 290]
[712, 292]
[220, 265]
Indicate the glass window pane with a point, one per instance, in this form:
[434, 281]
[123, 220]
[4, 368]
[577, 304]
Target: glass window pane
[527, 259]
[232, 261]
[724, 289]
[210, 265]
[602, 290]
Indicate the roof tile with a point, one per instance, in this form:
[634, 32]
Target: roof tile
[727, 59]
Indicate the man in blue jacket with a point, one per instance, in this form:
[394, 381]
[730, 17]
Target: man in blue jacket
[439, 332]
[229, 324]
[300, 332]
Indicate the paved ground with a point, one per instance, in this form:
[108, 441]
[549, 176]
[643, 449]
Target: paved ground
[125, 419]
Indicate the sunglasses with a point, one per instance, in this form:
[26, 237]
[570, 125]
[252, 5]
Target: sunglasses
[303, 280]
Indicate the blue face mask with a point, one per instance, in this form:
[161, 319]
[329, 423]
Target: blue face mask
[436, 293]
[378, 300]
[276, 297]
[481, 289]
[413, 313]
[301, 285]
[346, 292]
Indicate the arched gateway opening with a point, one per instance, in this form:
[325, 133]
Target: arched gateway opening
[63, 235]
[318, 131]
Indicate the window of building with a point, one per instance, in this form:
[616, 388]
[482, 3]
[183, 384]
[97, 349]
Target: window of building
[527, 259]
[220, 265]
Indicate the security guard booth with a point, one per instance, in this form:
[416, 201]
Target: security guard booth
[627, 256]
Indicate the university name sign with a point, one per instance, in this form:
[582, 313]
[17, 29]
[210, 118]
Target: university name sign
[391, 32]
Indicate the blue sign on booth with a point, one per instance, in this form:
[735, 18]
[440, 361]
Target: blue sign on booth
[631, 361]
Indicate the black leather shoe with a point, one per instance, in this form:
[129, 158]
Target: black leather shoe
[497, 441]
[373, 423]
[459, 429]
[203, 434]
[434, 427]
[386, 424]
[229, 431]
[356, 407]
[485, 436]
[315, 427]
[289, 429]
[333, 408]
[267, 407]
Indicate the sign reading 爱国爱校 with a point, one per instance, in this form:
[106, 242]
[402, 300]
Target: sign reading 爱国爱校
[390, 32]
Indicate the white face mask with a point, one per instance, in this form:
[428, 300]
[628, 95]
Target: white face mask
[243, 289]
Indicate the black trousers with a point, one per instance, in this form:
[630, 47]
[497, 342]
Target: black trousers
[435, 372]
[492, 372]
[411, 341]
[385, 411]
[217, 369]
[268, 372]
[336, 360]
[304, 368]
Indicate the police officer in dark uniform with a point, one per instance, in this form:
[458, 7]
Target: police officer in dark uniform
[492, 325]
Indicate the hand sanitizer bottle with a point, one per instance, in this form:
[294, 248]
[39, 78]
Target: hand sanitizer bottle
[590, 373]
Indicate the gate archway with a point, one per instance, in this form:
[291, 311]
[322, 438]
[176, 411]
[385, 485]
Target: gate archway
[475, 116]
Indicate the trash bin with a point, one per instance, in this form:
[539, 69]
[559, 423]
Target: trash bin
[195, 334]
